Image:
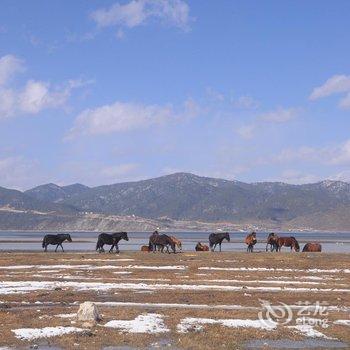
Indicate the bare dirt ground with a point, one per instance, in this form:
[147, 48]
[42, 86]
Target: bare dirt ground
[202, 300]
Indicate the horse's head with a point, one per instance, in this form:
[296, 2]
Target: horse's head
[125, 236]
[253, 235]
[227, 236]
[155, 232]
[69, 238]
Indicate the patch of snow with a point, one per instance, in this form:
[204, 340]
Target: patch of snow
[148, 323]
[309, 331]
[46, 332]
[342, 322]
[66, 315]
[196, 324]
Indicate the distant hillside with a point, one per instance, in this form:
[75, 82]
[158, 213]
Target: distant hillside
[184, 197]
[54, 193]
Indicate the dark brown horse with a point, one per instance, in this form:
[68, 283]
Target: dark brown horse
[217, 238]
[288, 242]
[161, 241]
[250, 241]
[201, 247]
[272, 242]
[312, 247]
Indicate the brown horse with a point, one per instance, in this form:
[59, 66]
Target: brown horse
[201, 247]
[288, 242]
[177, 242]
[250, 241]
[272, 242]
[312, 247]
[145, 248]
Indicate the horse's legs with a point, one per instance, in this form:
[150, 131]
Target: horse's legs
[111, 249]
[62, 247]
[220, 246]
[45, 248]
[116, 249]
[56, 248]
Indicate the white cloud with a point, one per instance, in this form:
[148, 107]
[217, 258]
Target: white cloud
[345, 102]
[246, 102]
[246, 131]
[117, 172]
[17, 172]
[280, 115]
[122, 116]
[34, 96]
[138, 12]
[334, 85]
[338, 155]
[9, 66]
[297, 178]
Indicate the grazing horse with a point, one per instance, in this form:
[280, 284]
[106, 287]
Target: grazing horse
[201, 247]
[56, 239]
[161, 241]
[272, 242]
[177, 242]
[312, 247]
[250, 241]
[110, 239]
[288, 242]
[217, 238]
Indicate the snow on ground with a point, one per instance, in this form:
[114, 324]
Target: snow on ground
[309, 331]
[17, 287]
[148, 323]
[66, 315]
[265, 269]
[196, 324]
[342, 322]
[46, 332]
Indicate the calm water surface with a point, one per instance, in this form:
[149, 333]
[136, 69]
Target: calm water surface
[85, 241]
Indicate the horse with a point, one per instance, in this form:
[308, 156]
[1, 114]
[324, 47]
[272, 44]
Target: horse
[217, 238]
[250, 241]
[161, 241]
[145, 248]
[56, 239]
[288, 242]
[110, 239]
[272, 242]
[312, 247]
[201, 247]
[177, 242]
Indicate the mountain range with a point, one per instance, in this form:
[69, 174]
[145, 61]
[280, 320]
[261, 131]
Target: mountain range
[179, 198]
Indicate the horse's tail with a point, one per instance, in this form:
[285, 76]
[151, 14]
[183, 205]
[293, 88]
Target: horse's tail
[44, 241]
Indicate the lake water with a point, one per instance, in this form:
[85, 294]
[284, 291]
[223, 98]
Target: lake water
[86, 241]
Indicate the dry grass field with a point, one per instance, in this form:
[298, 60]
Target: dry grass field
[185, 301]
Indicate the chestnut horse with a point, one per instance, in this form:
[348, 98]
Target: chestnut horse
[312, 247]
[250, 241]
[177, 242]
[201, 247]
[145, 248]
[272, 242]
[288, 242]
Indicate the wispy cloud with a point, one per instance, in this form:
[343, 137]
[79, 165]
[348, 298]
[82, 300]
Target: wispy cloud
[35, 96]
[123, 116]
[337, 84]
[277, 116]
[139, 12]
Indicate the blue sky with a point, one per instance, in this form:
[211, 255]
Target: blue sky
[100, 92]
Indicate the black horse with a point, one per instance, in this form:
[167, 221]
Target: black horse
[217, 238]
[56, 239]
[110, 239]
[160, 241]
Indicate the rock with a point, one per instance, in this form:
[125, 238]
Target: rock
[88, 312]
